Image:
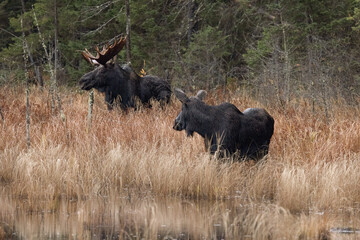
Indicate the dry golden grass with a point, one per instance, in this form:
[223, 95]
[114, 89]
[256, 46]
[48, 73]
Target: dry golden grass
[139, 152]
[312, 166]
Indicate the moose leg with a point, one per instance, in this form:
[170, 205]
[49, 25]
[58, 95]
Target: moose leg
[213, 149]
[211, 144]
[264, 149]
[163, 97]
[109, 99]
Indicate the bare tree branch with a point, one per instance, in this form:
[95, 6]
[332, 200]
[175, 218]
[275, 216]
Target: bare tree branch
[102, 26]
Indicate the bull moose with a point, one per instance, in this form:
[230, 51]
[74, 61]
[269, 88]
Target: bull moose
[243, 135]
[121, 83]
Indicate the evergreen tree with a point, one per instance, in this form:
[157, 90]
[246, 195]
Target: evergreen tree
[281, 48]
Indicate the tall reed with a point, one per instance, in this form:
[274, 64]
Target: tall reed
[312, 164]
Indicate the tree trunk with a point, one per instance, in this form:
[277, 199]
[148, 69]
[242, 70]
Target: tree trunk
[53, 93]
[90, 111]
[287, 65]
[309, 70]
[56, 43]
[128, 49]
[39, 77]
[25, 55]
[190, 18]
[56, 61]
[36, 68]
[51, 90]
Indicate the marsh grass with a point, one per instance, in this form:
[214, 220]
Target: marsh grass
[312, 166]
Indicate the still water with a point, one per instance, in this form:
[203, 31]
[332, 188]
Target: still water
[120, 218]
[148, 218]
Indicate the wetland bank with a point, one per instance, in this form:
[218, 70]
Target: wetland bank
[130, 176]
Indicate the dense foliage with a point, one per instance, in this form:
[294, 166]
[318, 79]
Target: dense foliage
[277, 49]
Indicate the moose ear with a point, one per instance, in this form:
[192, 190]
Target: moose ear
[180, 95]
[201, 94]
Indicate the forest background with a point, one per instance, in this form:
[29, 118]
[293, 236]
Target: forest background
[276, 50]
[298, 59]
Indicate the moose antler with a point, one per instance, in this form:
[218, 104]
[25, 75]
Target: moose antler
[105, 54]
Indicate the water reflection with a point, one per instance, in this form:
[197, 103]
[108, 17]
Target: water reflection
[147, 218]
[120, 218]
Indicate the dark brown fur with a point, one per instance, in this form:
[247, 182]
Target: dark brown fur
[225, 128]
[124, 85]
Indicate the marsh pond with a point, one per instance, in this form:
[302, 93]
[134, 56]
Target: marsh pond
[149, 218]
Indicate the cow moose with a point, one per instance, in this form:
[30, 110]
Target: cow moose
[241, 135]
[121, 84]
[151, 87]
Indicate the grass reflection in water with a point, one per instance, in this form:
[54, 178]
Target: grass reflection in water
[147, 218]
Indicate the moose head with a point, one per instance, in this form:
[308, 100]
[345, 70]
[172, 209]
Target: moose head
[185, 120]
[108, 77]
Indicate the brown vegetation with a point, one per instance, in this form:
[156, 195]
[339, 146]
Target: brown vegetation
[312, 166]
